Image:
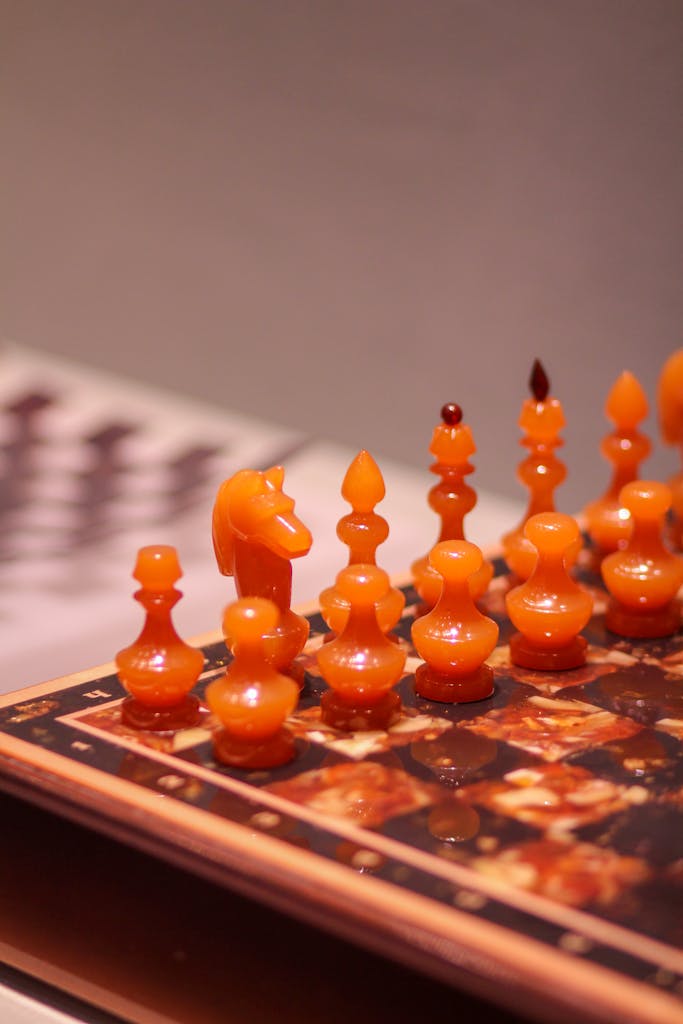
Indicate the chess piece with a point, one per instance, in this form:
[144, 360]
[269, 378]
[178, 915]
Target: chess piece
[255, 537]
[361, 665]
[159, 669]
[452, 498]
[670, 404]
[625, 447]
[541, 471]
[252, 700]
[455, 639]
[549, 609]
[362, 530]
[644, 578]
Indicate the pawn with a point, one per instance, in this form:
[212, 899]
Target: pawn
[159, 669]
[252, 700]
[550, 609]
[361, 665]
[455, 639]
[362, 530]
[644, 578]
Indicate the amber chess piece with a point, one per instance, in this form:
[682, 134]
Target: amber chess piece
[362, 530]
[452, 498]
[670, 404]
[361, 665]
[455, 639]
[625, 447]
[549, 609]
[252, 700]
[644, 578]
[541, 471]
[255, 536]
[159, 669]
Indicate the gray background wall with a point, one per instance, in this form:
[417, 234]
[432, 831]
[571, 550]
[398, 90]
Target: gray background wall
[340, 215]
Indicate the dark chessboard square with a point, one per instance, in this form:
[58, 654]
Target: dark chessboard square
[652, 832]
[457, 757]
[650, 758]
[643, 692]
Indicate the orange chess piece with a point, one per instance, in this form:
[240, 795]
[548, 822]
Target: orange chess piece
[644, 578]
[549, 609]
[255, 536]
[452, 498]
[670, 403]
[252, 700]
[159, 669]
[362, 530]
[361, 665]
[455, 639]
[541, 471]
[626, 448]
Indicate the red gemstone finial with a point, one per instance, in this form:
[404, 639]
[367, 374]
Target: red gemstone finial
[538, 382]
[451, 414]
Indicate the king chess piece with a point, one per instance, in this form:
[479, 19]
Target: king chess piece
[252, 700]
[452, 499]
[362, 530]
[361, 666]
[455, 639]
[549, 610]
[643, 579]
[159, 669]
[255, 536]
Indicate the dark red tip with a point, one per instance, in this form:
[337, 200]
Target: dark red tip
[538, 381]
[451, 414]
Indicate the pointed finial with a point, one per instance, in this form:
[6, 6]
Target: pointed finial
[363, 486]
[538, 382]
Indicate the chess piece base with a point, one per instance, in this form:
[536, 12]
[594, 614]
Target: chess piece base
[447, 690]
[642, 625]
[262, 753]
[183, 715]
[341, 714]
[547, 659]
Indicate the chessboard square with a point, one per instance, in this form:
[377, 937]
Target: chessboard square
[653, 832]
[649, 758]
[552, 728]
[410, 727]
[455, 757]
[554, 797]
[366, 792]
[107, 720]
[572, 873]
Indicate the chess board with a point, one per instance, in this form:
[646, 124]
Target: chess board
[529, 846]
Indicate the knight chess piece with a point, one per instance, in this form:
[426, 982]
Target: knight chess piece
[159, 669]
[255, 536]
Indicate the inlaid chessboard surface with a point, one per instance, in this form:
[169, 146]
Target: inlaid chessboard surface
[534, 839]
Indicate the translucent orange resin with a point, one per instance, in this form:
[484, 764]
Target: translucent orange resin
[607, 523]
[452, 498]
[255, 536]
[454, 639]
[159, 669]
[361, 665]
[549, 609]
[541, 472]
[252, 700]
[670, 403]
[645, 577]
[362, 530]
